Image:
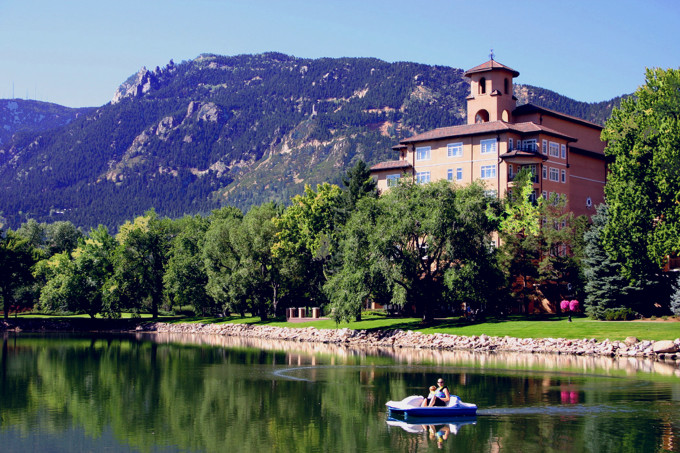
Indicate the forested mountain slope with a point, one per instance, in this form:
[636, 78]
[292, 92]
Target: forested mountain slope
[238, 130]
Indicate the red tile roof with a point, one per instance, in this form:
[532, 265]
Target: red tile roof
[484, 128]
[390, 165]
[532, 108]
[490, 66]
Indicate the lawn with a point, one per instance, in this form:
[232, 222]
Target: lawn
[515, 326]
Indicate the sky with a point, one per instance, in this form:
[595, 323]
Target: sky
[77, 52]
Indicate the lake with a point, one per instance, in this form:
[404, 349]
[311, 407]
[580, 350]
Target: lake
[184, 393]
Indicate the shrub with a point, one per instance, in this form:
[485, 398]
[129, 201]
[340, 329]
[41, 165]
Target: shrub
[619, 314]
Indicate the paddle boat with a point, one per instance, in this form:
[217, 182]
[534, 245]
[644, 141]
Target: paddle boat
[420, 425]
[409, 407]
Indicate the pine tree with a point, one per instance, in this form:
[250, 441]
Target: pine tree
[675, 297]
[606, 289]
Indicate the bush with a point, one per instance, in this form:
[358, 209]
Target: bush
[619, 314]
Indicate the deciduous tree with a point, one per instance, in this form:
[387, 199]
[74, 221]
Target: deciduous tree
[643, 187]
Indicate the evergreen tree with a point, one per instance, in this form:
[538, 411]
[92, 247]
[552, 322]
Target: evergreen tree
[675, 297]
[606, 288]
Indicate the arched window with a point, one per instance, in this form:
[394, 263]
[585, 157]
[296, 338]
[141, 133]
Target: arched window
[482, 116]
[505, 86]
[482, 85]
[505, 116]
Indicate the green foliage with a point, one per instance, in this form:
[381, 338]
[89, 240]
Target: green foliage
[619, 314]
[643, 187]
[421, 246]
[675, 297]
[75, 282]
[17, 257]
[215, 131]
[139, 263]
[185, 277]
[536, 240]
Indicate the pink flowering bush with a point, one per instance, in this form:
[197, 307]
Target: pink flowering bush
[573, 305]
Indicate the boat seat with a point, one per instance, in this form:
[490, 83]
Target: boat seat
[454, 400]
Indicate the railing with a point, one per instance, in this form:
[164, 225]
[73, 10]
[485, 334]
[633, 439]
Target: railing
[528, 148]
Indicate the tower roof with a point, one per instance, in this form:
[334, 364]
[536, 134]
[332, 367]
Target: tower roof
[490, 66]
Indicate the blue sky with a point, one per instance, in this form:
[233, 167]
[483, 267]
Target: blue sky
[77, 52]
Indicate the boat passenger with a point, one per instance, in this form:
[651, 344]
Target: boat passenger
[441, 396]
[426, 401]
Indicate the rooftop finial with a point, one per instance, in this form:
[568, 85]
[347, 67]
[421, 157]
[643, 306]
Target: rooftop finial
[491, 54]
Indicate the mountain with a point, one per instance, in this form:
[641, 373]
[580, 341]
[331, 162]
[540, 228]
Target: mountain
[239, 130]
[25, 116]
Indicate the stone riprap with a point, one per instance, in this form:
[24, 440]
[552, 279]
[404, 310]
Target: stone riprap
[410, 339]
[630, 347]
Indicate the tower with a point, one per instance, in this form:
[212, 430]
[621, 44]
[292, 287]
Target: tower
[491, 96]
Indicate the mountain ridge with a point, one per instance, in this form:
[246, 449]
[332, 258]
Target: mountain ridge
[238, 130]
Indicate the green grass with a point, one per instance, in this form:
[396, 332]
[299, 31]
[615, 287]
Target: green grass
[514, 326]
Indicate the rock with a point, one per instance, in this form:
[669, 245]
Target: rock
[630, 341]
[665, 347]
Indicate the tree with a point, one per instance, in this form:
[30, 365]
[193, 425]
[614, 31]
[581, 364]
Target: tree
[675, 297]
[139, 263]
[308, 234]
[643, 187]
[76, 282]
[17, 256]
[358, 183]
[519, 232]
[537, 244]
[61, 237]
[421, 246]
[185, 278]
[221, 260]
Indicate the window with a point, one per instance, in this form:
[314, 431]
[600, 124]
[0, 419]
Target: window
[488, 171]
[392, 180]
[544, 195]
[459, 174]
[423, 177]
[554, 174]
[564, 151]
[544, 147]
[491, 193]
[554, 149]
[589, 202]
[482, 85]
[510, 173]
[455, 149]
[488, 146]
[509, 144]
[545, 172]
[505, 86]
[564, 175]
[449, 174]
[529, 145]
[423, 153]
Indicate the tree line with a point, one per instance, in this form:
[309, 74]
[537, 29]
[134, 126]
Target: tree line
[426, 250]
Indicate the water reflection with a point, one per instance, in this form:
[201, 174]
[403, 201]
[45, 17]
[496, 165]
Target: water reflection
[299, 352]
[211, 393]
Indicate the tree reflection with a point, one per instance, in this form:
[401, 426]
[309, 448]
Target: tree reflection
[163, 394]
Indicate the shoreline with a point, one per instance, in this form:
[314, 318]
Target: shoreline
[666, 350]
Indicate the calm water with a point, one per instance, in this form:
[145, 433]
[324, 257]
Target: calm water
[62, 393]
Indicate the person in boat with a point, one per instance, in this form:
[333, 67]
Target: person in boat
[441, 395]
[426, 401]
